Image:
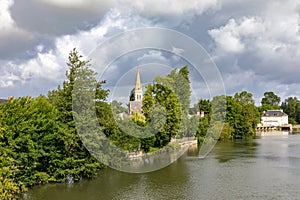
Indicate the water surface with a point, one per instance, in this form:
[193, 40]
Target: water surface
[263, 168]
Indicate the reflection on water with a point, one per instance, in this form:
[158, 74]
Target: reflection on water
[264, 168]
[226, 151]
[272, 133]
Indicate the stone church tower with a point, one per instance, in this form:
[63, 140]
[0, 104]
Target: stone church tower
[136, 96]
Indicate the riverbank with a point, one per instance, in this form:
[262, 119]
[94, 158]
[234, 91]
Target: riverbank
[263, 168]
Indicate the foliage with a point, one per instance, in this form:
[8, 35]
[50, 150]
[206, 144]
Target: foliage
[158, 94]
[270, 101]
[291, 106]
[9, 187]
[178, 81]
[39, 142]
[138, 118]
[77, 162]
[240, 116]
[117, 107]
[38, 139]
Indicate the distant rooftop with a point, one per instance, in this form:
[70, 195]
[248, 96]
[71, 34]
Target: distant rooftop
[274, 113]
[3, 100]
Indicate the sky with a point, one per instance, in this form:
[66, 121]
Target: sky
[254, 44]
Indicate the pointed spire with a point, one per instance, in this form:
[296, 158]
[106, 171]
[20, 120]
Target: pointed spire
[138, 85]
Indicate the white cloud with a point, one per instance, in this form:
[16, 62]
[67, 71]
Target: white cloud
[91, 5]
[7, 79]
[172, 7]
[45, 65]
[251, 40]
[51, 65]
[153, 56]
[268, 43]
[6, 22]
[9, 29]
[229, 38]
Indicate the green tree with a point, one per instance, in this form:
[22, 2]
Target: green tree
[138, 118]
[9, 187]
[270, 101]
[77, 162]
[158, 94]
[178, 81]
[249, 116]
[117, 107]
[291, 106]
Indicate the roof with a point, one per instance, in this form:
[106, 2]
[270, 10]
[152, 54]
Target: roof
[3, 100]
[135, 103]
[274, 113]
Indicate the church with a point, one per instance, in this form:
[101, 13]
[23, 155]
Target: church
[136, 96]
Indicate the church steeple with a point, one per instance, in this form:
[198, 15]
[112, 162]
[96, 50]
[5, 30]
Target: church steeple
[138, 85]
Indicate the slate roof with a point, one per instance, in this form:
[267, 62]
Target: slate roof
[274, 113]
[135, 104]
[3, 100]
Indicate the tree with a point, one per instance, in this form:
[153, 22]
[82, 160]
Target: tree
[138, 118]
[244, 98]
[77, 162]
[178, 81]
[204, 106]
[291, 106]
[158, 94]
[249, 116]
[270, 101]
[9, 187]
[117, 107]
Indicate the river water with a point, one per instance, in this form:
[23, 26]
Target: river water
[263, 168]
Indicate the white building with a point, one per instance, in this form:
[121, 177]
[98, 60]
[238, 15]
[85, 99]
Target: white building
[274, 118]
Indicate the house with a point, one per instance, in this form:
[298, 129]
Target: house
[274, 118]
[3, 100]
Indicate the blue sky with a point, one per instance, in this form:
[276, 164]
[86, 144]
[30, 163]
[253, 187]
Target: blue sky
[255, 44]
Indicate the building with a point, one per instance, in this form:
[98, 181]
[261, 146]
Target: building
[136, 96]
[274, 118]
[3, 100]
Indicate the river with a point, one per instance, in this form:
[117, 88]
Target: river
[263, 168]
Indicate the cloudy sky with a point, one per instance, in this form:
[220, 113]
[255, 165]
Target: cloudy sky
[255, 44]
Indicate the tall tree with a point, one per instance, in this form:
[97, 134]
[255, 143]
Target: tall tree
[76, 155]
[270, 101]
[249, 113]
[158, 94]
[291, 106]
[178, 81]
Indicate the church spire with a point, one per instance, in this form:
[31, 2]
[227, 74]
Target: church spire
[138, 85]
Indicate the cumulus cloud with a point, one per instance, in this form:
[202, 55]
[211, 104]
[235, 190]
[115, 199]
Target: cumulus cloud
[153, 57]
[229, 38]
[98, 6]
[49, 65]
[172, 13]
[13, 39]
[174, 7]
[267, 43]
[256, 41]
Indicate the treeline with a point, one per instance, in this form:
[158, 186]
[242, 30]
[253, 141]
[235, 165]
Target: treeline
[38, 139]
[39, 142]
[165, 107]
[241, 115]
